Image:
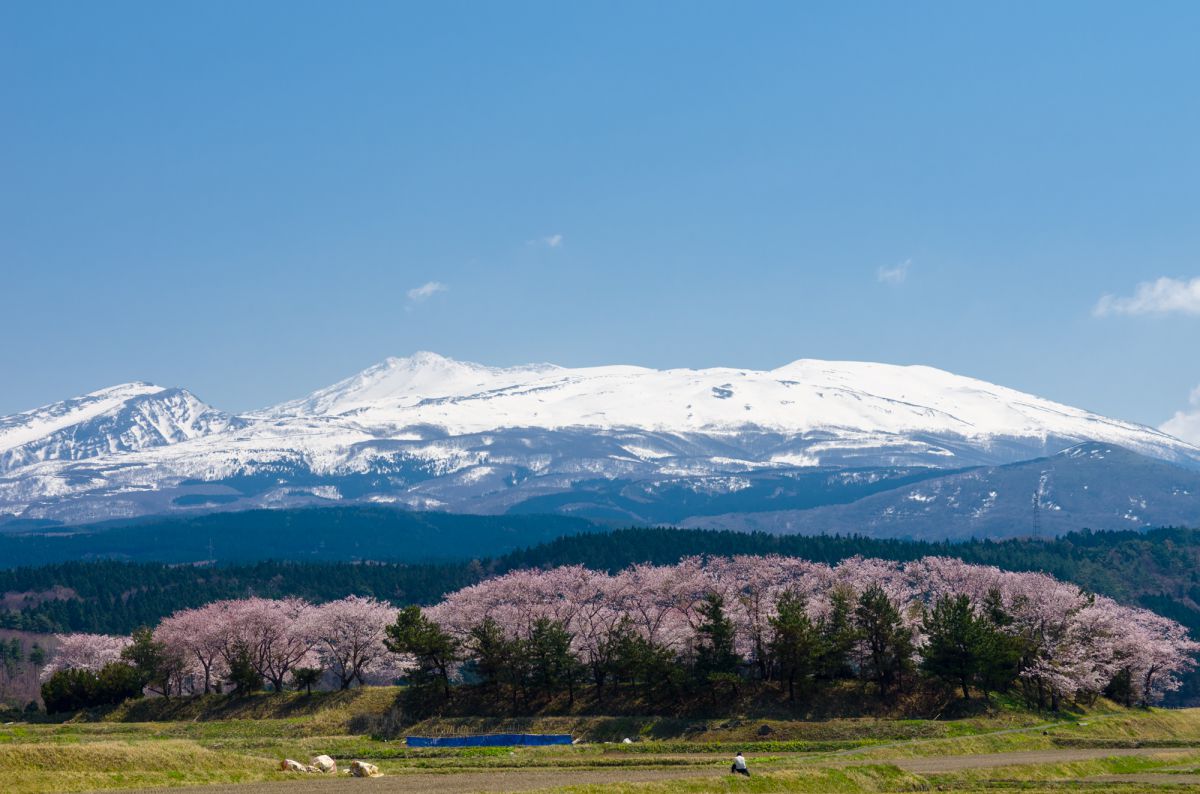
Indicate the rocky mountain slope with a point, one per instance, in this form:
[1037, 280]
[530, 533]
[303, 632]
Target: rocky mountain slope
[127, 418]
[1090, 486]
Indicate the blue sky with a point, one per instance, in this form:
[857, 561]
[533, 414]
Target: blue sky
[247, 199]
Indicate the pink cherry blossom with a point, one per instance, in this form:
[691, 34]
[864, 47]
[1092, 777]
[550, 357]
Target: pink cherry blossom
[84, 652]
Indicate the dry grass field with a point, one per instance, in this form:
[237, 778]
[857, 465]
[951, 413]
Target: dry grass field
[231, 746]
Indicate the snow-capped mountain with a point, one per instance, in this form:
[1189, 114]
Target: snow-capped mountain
[121, 419]
[428, 432]
[398, 383]
[835, 397]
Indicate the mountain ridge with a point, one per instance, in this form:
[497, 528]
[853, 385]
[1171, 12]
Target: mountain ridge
[863, 396]
[429, 433]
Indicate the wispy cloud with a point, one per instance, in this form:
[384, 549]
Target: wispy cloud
[895, 275]
[1162, 296]
[1185, 424]
[549, 241]
[425, 291]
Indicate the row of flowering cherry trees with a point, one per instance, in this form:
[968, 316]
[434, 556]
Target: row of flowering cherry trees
[1073, 644]
[202, 648]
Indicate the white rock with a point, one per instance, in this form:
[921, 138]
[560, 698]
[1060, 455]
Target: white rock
[363, 769]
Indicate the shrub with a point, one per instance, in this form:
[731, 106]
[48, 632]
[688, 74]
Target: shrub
[73, 689]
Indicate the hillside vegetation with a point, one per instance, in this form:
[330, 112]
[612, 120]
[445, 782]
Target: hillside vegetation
[327, 534]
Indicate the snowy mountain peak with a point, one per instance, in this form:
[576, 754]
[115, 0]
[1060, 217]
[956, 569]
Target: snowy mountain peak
[123, 418]
[28, 426]
[397, 383]
[123, 390]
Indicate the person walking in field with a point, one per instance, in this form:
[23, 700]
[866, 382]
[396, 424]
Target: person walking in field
[739, 766]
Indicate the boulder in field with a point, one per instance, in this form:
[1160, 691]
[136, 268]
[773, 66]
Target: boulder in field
[325, 764]
[288, 765]
[363, 769]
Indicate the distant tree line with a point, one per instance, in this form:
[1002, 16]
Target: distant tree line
[329, 534]
[108, 597]
[13, 654]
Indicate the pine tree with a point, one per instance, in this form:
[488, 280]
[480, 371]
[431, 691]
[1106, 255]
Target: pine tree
[637, 660]
[955, 643]
[434, 649]
[794, 644]
[716, 659]
[1000, 660]
[156, 665]
[306, 677]
[551, 661]
[242, 673]
[837, 637]
[887, 641]
[499, 660]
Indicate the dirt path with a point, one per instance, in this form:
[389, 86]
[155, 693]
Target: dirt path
[1191, 781]
[456, 782]
[1147, 777]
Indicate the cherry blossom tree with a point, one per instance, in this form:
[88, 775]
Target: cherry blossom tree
[285, 636]
[200, 637]
[89, 652]
[1074, 644]
[349, 636]
[275, 635]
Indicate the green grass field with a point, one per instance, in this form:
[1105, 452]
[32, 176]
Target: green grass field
[224, 741]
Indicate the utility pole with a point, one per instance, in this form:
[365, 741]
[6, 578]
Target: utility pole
[1037, 514]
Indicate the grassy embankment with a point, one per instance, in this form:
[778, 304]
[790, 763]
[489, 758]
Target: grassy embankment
[232, 740]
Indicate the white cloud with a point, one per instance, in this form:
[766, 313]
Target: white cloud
[1186, 424]
[549, 241]
[893, 275]
[426, 291]
[1162, 296]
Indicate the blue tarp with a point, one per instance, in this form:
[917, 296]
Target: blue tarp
[490, 740]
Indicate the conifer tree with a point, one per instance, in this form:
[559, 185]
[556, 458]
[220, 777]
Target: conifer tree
[955, 643]
[552, 663]
[434, 650]
[794, 644]
[887, 642]
[837, 637]
[716, 659]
